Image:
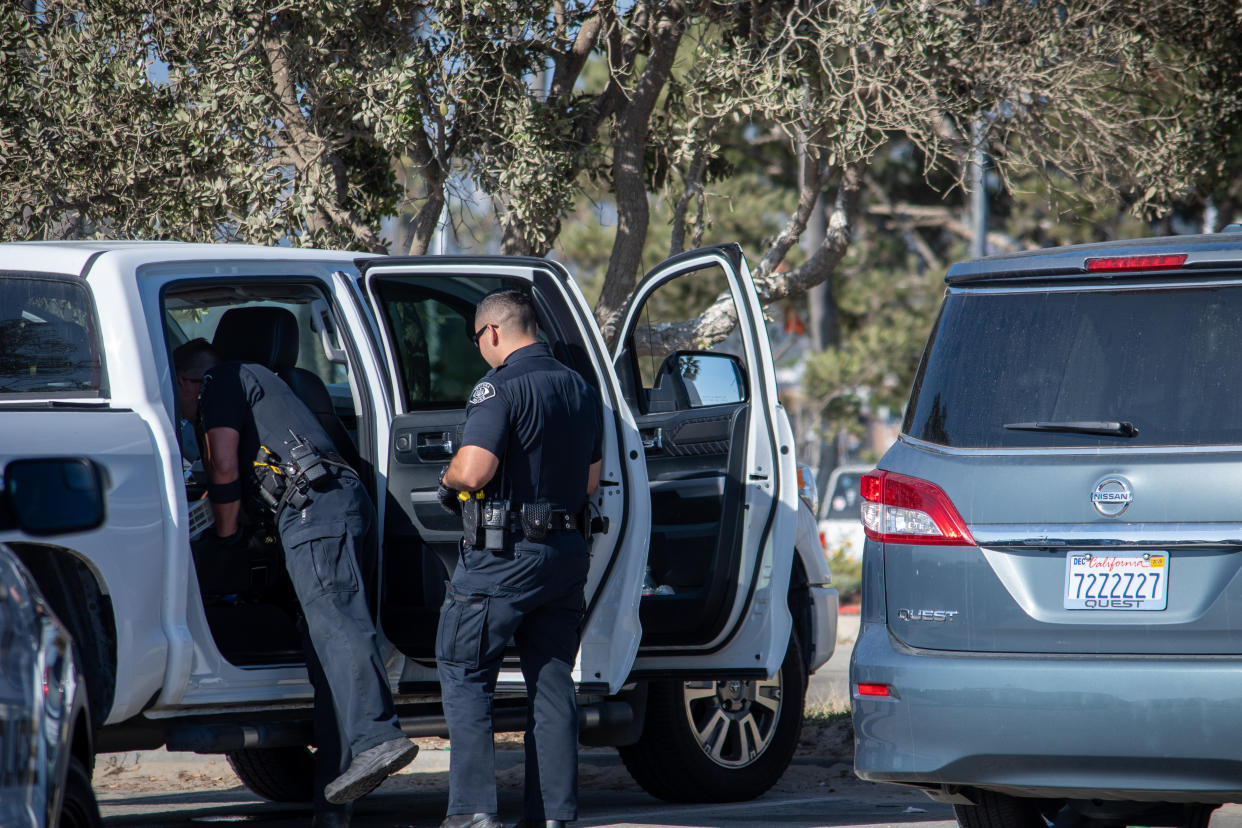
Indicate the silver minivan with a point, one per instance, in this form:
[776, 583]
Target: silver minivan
[1052, 608]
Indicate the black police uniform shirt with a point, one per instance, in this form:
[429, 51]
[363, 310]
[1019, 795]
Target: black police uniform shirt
[543, 421]
[261, 407]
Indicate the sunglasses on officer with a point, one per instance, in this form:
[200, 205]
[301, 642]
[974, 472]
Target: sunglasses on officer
[479, 333]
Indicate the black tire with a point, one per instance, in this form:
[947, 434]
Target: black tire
[999, 811]
[282, 774]
[670, 761]
[79, 809]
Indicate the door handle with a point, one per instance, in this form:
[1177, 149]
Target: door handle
[434, 446]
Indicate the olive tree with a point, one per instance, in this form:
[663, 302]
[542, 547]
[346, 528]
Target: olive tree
[311, 121]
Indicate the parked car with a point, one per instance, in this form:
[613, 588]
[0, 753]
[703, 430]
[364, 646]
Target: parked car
[1051, 601]
[840, 521]
[699, 681]
[45, 725]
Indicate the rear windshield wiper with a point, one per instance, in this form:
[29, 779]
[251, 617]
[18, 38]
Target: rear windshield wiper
[1111, 428]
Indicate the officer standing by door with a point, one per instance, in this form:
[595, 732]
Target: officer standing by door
[531, 447]
[249, 419]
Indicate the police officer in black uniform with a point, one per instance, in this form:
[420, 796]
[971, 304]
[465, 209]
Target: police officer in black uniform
[529, 458]
[258, 434]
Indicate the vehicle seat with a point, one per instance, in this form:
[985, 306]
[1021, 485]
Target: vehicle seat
[269, 336]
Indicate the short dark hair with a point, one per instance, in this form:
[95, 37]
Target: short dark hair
[508, 306]
[195, 356]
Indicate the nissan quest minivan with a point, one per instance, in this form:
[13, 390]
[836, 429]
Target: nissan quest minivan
[1052, 608]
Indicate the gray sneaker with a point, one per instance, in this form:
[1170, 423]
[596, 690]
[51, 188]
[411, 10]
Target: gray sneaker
[369, 768]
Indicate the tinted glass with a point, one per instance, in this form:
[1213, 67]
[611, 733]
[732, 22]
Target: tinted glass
[49, 345]
[431, 322]
[196, 311]
[1167, 360]
[666, 326]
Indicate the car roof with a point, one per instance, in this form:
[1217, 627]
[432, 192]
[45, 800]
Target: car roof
[76, 256]
[1202, 252]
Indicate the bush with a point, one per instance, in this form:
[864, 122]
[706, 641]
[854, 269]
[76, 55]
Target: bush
[846, 574]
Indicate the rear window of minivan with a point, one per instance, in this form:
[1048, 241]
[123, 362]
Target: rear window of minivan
[49, 342]
[1167, 360]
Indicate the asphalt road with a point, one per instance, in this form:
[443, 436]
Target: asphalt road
[816, 791]
[417, 800]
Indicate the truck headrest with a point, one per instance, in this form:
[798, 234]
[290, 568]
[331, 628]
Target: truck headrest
[268, 336]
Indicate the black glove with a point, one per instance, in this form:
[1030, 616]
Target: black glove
[222, 563]
[448, 497]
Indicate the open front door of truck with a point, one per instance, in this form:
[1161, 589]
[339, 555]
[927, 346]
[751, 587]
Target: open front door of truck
[425, 307]
[723, 496]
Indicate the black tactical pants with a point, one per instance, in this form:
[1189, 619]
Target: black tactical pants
[324, 544]
[531, 593]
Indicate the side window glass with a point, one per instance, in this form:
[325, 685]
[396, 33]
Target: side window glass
[194, 312]
[319, 346]
[430, 321]
[676, 368]
[49, 344]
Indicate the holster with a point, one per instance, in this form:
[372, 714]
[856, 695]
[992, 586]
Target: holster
[590, 523]
[535, 517]
[471, 522]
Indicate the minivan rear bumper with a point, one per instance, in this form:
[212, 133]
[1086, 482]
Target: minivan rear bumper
[1162, 729]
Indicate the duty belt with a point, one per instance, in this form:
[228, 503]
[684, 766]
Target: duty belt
[487, 523]
[534, 518]
[280, 485]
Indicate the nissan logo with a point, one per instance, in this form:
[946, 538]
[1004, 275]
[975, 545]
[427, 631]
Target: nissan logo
[1112, 496]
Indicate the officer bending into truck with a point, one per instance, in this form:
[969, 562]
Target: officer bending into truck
[529, 458]
[261, 442]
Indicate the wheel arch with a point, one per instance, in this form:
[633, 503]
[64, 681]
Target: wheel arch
[73, 590]
[800, 607]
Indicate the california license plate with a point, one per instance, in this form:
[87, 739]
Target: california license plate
[1110, 581]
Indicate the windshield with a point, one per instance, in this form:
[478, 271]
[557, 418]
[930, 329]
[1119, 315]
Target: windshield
[49, 345]
[1168, 361]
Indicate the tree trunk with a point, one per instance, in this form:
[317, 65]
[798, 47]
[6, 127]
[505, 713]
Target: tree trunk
[422, 227]
[629, 159]
[821, 304]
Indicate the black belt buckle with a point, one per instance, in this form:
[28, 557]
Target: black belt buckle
[535, 520]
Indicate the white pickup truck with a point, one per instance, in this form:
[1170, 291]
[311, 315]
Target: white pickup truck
[709, 599]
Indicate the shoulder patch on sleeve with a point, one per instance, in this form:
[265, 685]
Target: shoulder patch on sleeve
[482, 391]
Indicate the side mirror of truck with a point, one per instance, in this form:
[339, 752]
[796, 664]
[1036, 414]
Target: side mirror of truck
[697, 379]
[52, 496]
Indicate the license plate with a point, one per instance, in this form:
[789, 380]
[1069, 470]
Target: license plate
[1133, 581]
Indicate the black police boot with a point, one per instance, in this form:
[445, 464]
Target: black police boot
[472, 821]
[369, 768]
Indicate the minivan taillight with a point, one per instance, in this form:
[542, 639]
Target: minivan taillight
[901, 509]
